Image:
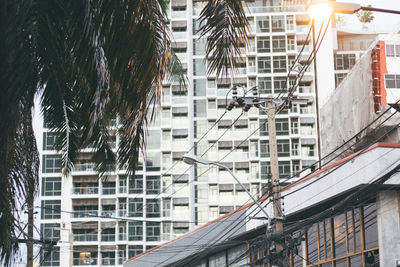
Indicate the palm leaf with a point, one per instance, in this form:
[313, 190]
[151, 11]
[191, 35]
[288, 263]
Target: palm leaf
[225, 25]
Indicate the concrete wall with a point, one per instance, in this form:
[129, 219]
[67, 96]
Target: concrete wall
[388, 209]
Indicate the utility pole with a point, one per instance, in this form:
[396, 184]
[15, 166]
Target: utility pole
[276, 195]
[29, 242]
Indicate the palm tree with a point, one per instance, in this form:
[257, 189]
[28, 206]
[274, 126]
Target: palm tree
[89, 61]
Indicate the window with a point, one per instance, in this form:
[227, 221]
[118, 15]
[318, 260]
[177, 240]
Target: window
[280, 84]
[262, 24]
[347, 239]
[50, 231]
[392, 80]
[282, 126]
[108, 188]
[153, 161]
[153, 231]
[134, 250]
[393, 50]
[51, 209]
[265, 170]
[136, 185]
[200, 108]
[135, 207]
[198, 67]
[278, 43]
[279, 64]
[153, 184]
[85, 211]
[344, 61]
[49, 140]
[339, 78]
[51, 186]
[152, 208]
[51, 163]
[264, 64]
[263, 44]
[199, 46]
[278, 23]
[108, 258]
[284, 168]
[264, 85]
[199, 87]
[153, 140]
[51, 257]
[85, 235]
[263, 127]
[283, 148]
[264, 148]
[108, 234]
[135, 232]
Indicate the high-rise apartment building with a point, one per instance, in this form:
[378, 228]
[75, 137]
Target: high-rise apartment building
[103, 221]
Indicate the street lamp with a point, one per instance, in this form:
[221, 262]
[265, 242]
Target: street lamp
[192, 160]
[323, 9]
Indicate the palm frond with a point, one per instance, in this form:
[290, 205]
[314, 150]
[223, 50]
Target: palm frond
[225, 25]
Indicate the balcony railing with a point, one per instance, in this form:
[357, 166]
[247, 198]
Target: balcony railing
[88, 190]
[108, 190]
[108, 261]
[81, 167]
[85, 237]
[84, 214]
[108, 237]
[85, 261]
[109, 213]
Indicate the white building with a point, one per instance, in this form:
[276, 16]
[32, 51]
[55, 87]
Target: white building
[106, 221]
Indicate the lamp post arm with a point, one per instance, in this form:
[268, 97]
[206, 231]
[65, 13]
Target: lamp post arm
[245, 189]
[380, 10]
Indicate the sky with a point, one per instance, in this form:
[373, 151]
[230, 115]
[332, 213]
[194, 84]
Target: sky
[381, 22]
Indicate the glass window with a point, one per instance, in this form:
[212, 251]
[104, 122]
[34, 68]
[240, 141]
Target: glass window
[152, 208]
[51, 209]
[51, 257]
[135, 231]
[50, 231]
[153, 184]
[393, 50]
[280, 84]
[135, 207]
[153, 161]
[264, 64]
[51, 163]
[218, 260]
[370, 226]
[153, 139]
[262, 23]
[392, 80]
[49, 140]
[200, 108]
[153, 231]
[280, 64]
[278, 43]
[134, 250]
[263, 44]
[278, 23]
[199, 67]
[199, 46]
[136, 184]
[282, 126]
[51, 186]
[264, 85]
[199, 87]
[283, 148]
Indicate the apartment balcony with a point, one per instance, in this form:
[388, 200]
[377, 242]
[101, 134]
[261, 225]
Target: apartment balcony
[107, 237]
[122, 236]
[109, 213]
[108, 190]
[89, 237]
[179, 215]
[179, 14]
[86, 190]
[84, 167]
[108, 261]
[84, 261]
[84, 214]
[122, 189]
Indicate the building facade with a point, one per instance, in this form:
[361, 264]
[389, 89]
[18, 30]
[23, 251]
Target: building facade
[103, 221]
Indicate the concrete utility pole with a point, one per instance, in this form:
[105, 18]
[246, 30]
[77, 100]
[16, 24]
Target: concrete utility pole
[29, 242]
[273, 152]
